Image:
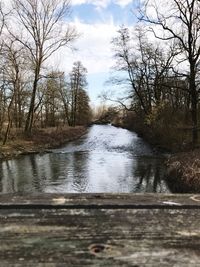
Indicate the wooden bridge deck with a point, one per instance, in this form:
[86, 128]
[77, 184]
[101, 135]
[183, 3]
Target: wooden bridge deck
[99, 230]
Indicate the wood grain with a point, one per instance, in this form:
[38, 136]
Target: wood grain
[85, 230]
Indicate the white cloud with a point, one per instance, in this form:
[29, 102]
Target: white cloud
[102, 3]
[94, 51]
[78, 2]
[94, 48]
[123, 3]
[97, 3]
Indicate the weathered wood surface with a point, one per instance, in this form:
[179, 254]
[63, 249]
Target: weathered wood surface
[100, 230]
[99, 201]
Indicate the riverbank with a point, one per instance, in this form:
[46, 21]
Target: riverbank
[183, 172]
[183, 164]
[147, 135]
[41, 141]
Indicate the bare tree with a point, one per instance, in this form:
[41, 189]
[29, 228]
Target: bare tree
[65, 96]
[180, 23]
[77, 83]
[41, 31]
[3, 17]
[146, 68]
[127, 62]
[12, 70]
[51, 99]
[84, 113]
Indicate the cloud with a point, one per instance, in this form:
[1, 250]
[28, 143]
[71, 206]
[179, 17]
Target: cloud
[102, 3]
[97, 3]
[94, 51]
[78, 2]
[94, 48]
[123, 3]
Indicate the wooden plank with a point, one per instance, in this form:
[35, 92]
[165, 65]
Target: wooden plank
[99, 237]
[107, 231]
[99, 201]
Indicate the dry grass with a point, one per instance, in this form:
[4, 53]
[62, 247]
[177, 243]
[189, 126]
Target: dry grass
[40, 140]
[183, 172]
[54, 137]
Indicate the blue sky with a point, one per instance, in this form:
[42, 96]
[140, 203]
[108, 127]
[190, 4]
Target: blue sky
[97, 21]
[91, 13]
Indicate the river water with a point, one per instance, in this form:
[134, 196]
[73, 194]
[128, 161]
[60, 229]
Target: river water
[106, 159]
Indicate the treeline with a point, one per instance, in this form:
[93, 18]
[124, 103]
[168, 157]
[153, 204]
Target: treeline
[31, 94]
[159, 61]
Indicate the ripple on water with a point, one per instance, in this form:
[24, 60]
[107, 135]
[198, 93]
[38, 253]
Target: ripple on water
[107, 159]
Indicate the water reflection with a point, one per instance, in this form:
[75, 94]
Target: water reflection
[149, 175]
[107, 159]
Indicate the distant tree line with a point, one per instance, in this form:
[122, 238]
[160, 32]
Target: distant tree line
[163, 75]
[31, 95]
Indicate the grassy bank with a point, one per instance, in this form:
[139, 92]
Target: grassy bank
[169, 133]
[183, 172]
[183, 166]
[40, 141]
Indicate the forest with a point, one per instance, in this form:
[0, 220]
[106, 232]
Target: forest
[33, 94]
[112, 185]
[157, 61]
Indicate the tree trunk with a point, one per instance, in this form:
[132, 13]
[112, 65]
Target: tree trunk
[194, 104]
[29, 120]
[194, 120]
[9, 121]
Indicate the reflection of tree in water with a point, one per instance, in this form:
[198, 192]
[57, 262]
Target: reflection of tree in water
[63, 171]
[35, 182]
[26, 177]
[17, 177]
[6, 185]
[80, 175]
[1, 177]
[55, 167]
[149, 175]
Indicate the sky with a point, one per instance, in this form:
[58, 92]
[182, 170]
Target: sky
[97, 22]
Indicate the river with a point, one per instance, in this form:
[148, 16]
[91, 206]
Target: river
[106, 159]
